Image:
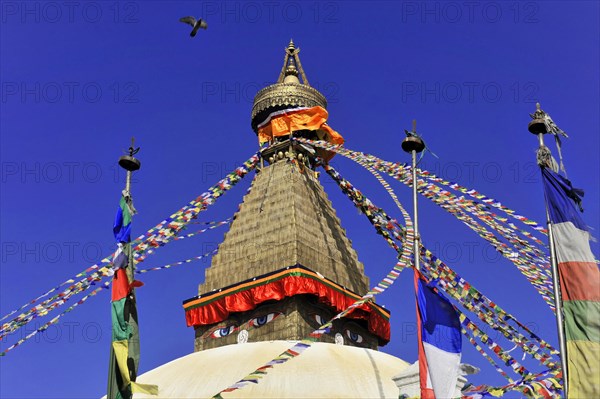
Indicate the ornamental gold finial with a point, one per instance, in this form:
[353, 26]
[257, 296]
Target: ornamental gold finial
[291, 66]
[291, 90]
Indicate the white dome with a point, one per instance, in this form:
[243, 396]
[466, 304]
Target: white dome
[323, 370]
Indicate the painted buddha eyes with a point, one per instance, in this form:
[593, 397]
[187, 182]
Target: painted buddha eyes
[354, 337]
[262, 320]
[255, 322]
[223, 332]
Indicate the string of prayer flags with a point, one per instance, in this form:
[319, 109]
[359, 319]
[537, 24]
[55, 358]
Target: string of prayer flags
[403, 173]
[144, 245]
[50, 304]
[45, 326]
[534, 269]
[483, 353]
[46, 306]
[170, 265]
[37, 299]
[531, 261]
[532, 348]
[164, 231]
[492, 345]
[488, 311]
[105, 285]
[485, 309]
[544, 384]
[213, 225]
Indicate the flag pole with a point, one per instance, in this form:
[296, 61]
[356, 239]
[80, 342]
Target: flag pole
[413, 144]
[538, 127]
[122, 374]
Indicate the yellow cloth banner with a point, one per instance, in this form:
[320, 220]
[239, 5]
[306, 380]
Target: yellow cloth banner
[121, 349]
[144, 388]
[584, 369]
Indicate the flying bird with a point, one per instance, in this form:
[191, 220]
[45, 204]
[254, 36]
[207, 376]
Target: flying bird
[199, 24]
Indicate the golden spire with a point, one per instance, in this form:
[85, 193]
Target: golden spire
[288, 91]
[291, 65]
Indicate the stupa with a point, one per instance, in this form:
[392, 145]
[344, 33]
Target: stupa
[284, 268]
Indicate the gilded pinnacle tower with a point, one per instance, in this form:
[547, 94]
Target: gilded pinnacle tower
[286, 266]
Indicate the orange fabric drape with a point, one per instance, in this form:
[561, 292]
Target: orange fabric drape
[314, 118]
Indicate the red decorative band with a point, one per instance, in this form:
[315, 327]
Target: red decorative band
[216, 306]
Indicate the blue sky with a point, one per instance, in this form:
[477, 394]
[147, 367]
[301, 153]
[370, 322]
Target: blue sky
[78, 80]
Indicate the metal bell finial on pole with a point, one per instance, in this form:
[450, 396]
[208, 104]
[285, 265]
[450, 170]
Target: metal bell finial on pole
[130, 163]
[413, 142]
[538, 124]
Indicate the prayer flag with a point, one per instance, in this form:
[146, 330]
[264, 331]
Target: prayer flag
[579, 284]
[440, 343]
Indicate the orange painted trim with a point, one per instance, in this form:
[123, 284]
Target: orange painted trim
[260, 281]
